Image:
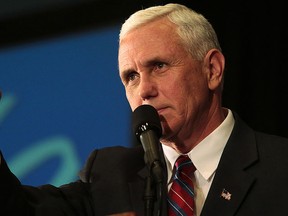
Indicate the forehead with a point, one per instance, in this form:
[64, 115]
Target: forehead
[155, 38]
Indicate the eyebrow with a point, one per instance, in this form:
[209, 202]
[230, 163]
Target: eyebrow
[148, 63]
[125, 72]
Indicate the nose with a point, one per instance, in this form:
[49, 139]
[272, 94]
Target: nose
[147, 88]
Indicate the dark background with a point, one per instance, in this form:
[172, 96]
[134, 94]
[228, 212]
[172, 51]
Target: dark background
[253, 37]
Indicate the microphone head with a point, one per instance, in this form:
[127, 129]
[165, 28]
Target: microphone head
[146, 117]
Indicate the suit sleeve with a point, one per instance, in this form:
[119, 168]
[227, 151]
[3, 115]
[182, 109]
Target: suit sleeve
[47, 200]
[12, 196]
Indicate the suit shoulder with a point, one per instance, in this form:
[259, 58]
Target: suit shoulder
[113, 159]
[271, 139]
[272, 147]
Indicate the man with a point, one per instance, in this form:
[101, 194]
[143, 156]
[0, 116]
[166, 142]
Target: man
[170, 58]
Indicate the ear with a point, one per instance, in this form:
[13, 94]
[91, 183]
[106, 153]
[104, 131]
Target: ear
[214, 63]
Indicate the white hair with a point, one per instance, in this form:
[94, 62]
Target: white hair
[196, 32]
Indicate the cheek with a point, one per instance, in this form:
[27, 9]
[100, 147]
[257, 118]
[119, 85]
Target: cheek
[132, 100]
[175, 91]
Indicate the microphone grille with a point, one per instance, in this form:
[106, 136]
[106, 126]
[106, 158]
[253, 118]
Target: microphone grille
[145, 117]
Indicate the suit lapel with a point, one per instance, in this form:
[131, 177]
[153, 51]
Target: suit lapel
[226, 195]
[232, 178]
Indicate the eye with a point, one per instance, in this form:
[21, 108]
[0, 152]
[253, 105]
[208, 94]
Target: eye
[131, 76]
[159, 65]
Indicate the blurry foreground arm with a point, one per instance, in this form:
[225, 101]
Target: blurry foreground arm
[47, 200]
[12, 197]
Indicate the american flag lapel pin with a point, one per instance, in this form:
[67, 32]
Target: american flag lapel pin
[226, 195]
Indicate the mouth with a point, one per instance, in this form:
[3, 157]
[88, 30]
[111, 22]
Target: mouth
[161, 110]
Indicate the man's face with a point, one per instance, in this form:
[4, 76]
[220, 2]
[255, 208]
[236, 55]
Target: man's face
[156, 70]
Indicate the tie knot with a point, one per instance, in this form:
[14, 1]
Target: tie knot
[183, 163]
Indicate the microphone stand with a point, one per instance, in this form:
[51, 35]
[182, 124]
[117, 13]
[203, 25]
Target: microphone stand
[148, 130]
[149, 196]
[153, 192]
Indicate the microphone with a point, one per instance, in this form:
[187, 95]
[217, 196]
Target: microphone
[147, 128]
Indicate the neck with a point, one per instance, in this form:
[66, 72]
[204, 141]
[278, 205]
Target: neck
[209, 124]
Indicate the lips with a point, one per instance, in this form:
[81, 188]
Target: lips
[161, 110]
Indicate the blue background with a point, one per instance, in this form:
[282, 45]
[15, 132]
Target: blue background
[62, 97]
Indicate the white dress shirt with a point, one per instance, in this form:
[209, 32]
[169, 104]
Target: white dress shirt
[205, 157]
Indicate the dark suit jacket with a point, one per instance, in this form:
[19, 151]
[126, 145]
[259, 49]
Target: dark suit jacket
[251, 180]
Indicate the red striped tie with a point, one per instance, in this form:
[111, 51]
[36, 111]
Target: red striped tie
[181, 193]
